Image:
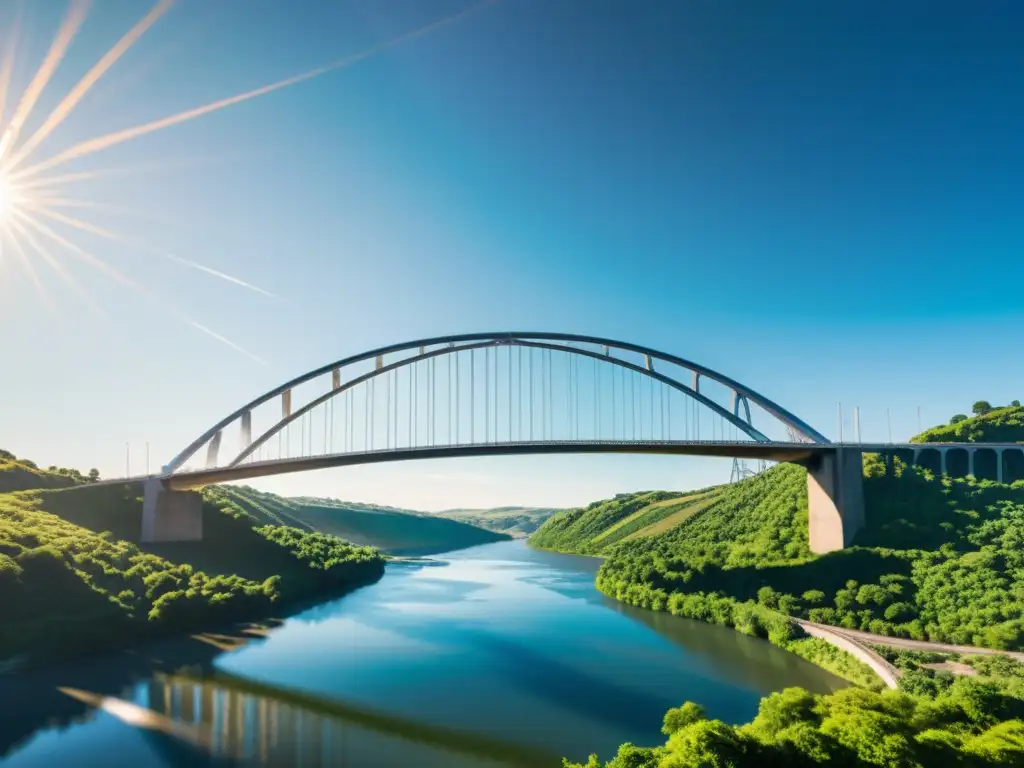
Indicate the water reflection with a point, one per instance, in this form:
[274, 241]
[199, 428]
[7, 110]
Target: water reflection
[734, 656]
[235, 719]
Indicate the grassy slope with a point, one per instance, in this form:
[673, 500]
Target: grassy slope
[73, 584]
[397, 532]
[596, 528]
[18, 476]
[515, 521]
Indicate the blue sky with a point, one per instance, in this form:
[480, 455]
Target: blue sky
[819, 200]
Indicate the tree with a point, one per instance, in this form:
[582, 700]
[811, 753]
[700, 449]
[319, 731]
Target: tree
[1015, 403]
[958, 418]
[981, 407]
[94, 475]
[680, 717]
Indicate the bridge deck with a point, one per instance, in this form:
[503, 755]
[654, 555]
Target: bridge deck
[772, 451]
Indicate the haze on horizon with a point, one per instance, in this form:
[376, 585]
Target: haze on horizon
[820, 205]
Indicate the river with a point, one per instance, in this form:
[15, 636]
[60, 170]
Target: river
[497, 655]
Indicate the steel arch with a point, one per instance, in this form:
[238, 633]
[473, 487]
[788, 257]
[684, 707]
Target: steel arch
[542, 340]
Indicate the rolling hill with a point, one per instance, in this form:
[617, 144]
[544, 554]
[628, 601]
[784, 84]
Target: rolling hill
[515, 521]
[394, 531]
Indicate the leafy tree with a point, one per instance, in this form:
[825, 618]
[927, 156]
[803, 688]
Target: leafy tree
[1015, 403]
[680, 717]
[956, 419]
[94, 475]
[981, 407]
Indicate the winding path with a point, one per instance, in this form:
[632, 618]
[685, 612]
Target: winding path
[914, 645]
[858, 644]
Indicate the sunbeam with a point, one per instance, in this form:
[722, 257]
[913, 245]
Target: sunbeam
[67, 32]
[7, 65]
[76, 94]
[101, 143]
[30, 270]
[86, 226]
[7, 199]
[57, 267]
[29, 196]
[179, 164]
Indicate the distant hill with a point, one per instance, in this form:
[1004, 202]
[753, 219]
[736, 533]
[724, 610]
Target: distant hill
[392, 530]
[515, 521]
[999, 425]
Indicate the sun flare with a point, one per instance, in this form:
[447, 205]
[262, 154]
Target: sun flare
[7, 198]
[35, 229]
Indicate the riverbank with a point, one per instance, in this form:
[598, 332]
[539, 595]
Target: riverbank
[70, 591]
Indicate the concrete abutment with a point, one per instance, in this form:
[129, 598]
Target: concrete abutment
[170, 515]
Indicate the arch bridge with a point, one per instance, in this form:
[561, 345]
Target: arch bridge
[499, 394]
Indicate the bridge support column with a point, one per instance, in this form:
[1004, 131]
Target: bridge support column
[835, 499]
[170, 515]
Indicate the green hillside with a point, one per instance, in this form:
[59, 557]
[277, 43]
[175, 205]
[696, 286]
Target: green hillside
[73, 583]
[397, 532]
[998, 425]
[595, 529]
[515, 521]
[19, 474]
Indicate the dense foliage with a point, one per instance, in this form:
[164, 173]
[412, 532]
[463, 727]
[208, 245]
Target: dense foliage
[972, 724]
[939, 559]
[988, 425]
[69, 589]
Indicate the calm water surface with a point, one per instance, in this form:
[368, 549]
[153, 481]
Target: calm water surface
[493, 656]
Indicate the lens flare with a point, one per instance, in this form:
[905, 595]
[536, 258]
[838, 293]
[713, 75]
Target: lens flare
[8, 199]
[32, 200]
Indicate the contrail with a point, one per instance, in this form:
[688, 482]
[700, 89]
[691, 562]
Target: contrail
[69, 102]
[104, 142]
[85, 226]
[66, 33]
[216, 273]
[228, 342]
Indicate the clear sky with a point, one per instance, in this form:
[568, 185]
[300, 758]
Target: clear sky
[821, 200]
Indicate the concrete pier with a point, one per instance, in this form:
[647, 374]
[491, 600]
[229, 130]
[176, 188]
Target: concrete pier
[835, 499]
[170, 515]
